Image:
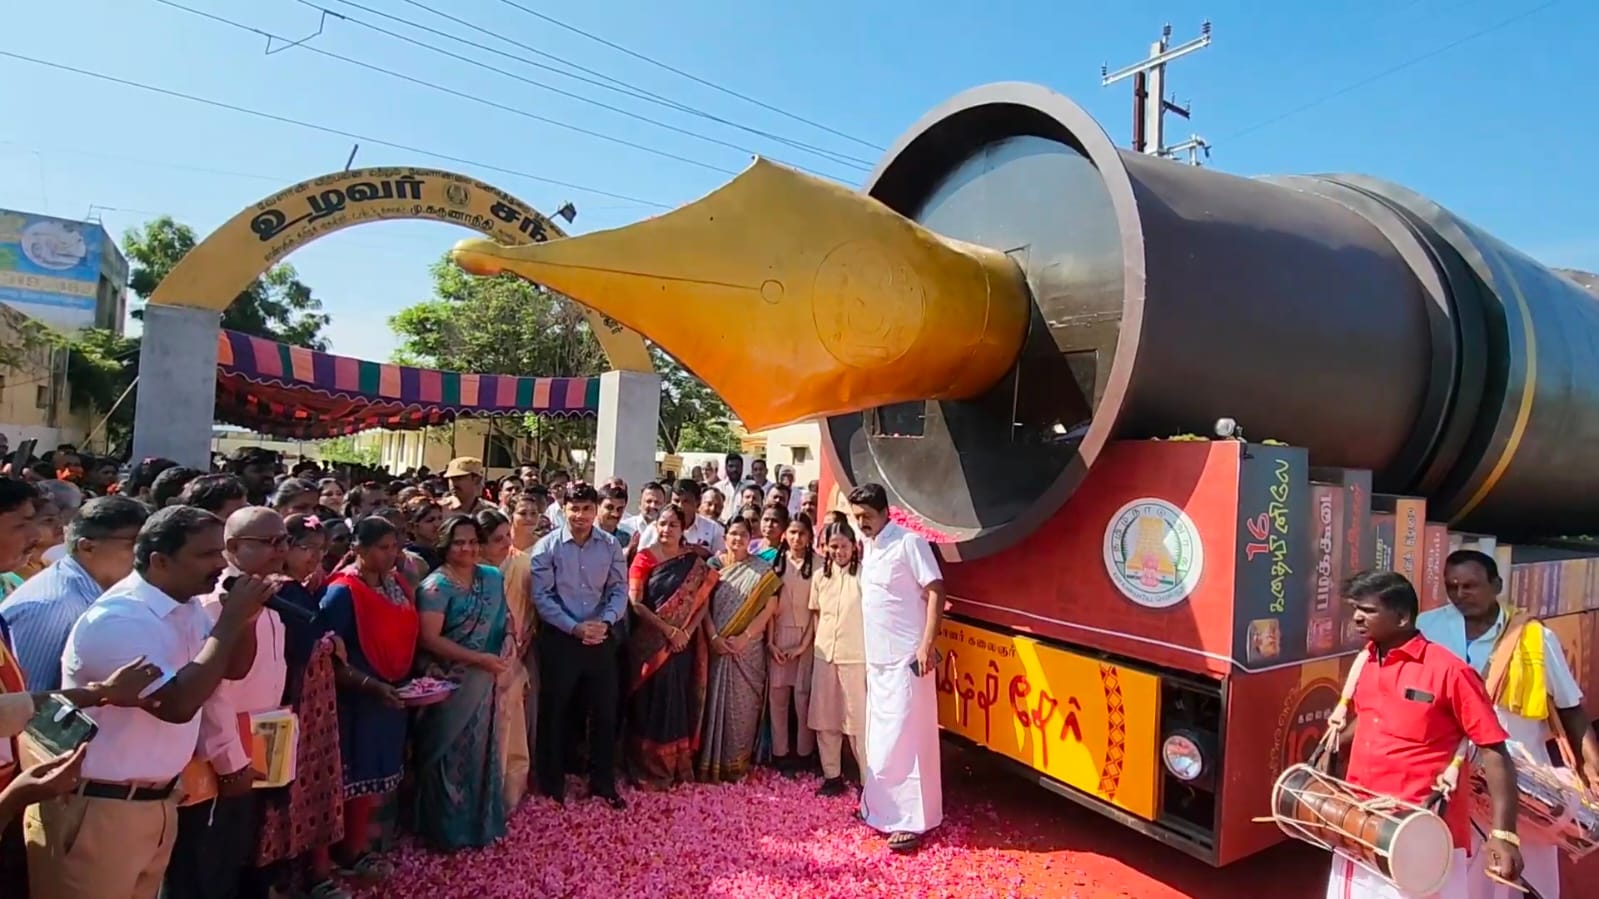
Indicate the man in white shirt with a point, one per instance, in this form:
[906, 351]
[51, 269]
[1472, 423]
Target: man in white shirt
[216, 839]
[699, 531]
[651, 500]
[121, 822]
[902, 603]
[1470, 627]
[733, 472]
[758, 475]
[554, 511]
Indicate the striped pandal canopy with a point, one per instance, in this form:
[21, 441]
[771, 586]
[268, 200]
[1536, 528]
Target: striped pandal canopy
[290, 391]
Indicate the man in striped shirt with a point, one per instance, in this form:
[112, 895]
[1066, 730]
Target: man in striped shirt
[41, 612]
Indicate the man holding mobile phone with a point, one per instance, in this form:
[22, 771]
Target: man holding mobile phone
[902, 603]
[121, 820]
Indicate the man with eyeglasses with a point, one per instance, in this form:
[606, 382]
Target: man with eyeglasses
[215, 840]
[99, 541]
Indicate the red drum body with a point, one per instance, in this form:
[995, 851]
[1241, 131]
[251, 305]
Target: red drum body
[1409, 845]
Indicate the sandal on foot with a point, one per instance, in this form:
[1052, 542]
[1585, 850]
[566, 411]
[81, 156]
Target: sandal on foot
[833, 786]
[904, 842]
[327, 889]
[368, 868]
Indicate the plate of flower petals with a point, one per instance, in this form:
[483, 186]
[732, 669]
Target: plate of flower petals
[425, 691]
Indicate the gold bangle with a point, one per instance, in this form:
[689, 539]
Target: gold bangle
[1505, 836]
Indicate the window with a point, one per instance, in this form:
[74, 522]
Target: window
[799, 455]
[41, 396]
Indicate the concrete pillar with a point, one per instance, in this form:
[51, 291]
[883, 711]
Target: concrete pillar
[630, 417]
[177, 385]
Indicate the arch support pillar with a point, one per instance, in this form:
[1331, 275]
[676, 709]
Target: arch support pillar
[177, 385]
[629, 418]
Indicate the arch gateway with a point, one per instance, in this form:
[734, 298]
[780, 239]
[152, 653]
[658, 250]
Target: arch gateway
[182, 320]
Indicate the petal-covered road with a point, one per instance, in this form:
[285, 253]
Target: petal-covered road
[771, 837]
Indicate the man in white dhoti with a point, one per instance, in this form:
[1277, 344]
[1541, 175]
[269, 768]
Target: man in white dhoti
[1471, 627]
[902, 601]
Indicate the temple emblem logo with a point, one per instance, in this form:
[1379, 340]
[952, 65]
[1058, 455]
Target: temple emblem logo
[1152, 553]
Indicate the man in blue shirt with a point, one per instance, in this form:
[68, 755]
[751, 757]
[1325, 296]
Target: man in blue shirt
[43, 610]
[580, 593]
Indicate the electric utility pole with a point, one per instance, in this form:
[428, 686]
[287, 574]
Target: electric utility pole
[1149, 97]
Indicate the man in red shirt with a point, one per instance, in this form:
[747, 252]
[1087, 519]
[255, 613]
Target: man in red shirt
[1415, 701]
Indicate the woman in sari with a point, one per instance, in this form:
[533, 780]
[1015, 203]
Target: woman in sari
[735, 628]
[670, 589]
[516, 576]
[301, 822]
[369, 608]
[460, 791]
[528, 525]
[423, 514]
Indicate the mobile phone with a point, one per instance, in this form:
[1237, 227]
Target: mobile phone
[58, 727]
[21, 456]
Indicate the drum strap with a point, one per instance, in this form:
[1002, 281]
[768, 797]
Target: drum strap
[1504, 652]
[1339, 717]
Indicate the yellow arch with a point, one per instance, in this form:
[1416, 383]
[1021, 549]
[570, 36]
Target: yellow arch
[250, 243]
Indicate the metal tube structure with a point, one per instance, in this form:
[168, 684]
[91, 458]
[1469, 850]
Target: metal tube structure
[1338, 313]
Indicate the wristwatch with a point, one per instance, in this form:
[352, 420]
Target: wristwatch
[1506, 836]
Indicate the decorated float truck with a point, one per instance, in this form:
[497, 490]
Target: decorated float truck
[1037, 341]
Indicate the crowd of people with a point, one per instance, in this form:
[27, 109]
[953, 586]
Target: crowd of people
[446, 646]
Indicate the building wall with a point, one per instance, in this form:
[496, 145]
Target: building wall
[798, 446]
[35, 395]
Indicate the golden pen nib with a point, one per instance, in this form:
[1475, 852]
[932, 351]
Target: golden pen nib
[793, 297]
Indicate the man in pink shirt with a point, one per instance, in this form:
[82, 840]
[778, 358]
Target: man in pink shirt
[217, 837]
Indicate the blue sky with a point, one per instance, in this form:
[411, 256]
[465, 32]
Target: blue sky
[1492, 123]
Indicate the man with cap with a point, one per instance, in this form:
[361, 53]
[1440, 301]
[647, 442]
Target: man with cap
[465, 475]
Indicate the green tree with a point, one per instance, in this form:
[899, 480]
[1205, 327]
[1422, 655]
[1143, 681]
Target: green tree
[345, 451]
[508, 326]
[693, 417]
[277, 305]
[102, 366]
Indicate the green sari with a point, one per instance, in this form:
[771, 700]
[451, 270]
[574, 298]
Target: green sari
[460, 796]
[736, 688]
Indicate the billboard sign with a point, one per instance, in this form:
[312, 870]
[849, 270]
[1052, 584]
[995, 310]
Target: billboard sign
[50, 262]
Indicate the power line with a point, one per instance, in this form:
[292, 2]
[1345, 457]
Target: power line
[325, 129]
[692, 77]
[456, 93]
[530, 81]
[607, 82]
[1393, 70]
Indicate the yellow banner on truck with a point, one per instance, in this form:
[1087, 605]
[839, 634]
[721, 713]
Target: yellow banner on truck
[1082, 721]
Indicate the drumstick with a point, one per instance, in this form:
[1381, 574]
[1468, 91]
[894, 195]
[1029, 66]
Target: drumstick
[1513, 884]
[1521, 887]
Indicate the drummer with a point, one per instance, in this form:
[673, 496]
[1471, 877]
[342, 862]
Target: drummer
[1470, 627]
[1413, 704]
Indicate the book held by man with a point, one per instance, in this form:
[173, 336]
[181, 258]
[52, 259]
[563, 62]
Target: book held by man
[273, 738]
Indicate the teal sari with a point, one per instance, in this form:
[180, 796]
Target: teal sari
[460, 796]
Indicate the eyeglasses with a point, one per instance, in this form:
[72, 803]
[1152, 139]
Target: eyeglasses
[277, 541]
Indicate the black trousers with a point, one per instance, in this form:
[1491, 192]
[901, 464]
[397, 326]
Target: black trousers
[214, 848]
[569, 671]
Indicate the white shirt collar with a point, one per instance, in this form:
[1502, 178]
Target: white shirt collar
[889, 532]
[151, 595]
